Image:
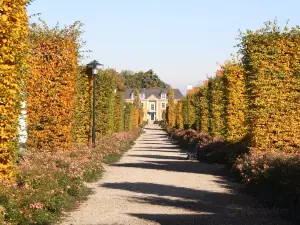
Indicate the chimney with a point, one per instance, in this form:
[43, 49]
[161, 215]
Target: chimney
[219, 73]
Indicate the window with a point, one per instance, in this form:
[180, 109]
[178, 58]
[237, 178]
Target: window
[163, 96]
[142, 104]
[152, 107]
[163, 105]
[142, 95]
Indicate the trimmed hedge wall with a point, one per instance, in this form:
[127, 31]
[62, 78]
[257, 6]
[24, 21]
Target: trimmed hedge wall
[217, 106]
[13, 49]
[128, 116]
[105, 103]
[51, 86]
[179, 118]
[82, 123]
[271, 61]
[235, 127]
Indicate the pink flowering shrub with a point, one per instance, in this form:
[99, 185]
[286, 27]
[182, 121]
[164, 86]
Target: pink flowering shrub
[273, 177]
[50, 183]
[208, 148]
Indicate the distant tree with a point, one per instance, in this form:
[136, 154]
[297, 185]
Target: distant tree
[141, 79]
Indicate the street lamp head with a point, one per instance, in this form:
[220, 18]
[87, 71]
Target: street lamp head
[95, 66]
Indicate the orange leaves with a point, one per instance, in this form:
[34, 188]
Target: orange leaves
[51, 87]
[13, 49]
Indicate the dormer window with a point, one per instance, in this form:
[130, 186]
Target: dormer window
[163, 95]
[132, 95]
[142, 95]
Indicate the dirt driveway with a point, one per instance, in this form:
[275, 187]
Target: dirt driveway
[154, 184]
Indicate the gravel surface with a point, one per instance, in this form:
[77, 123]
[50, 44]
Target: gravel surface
[155, 184]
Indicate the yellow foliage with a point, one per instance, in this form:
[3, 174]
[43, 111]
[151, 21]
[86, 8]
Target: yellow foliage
[179, 116]
[13, 48]
[203, 103]
[171, 108]
[82, 122]
[51, 87]
[235, 101]
[271, 60]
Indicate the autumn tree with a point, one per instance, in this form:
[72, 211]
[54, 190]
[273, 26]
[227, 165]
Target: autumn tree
[141, 79]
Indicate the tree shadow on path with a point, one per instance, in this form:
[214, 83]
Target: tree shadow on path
[178, 166]
[160, 157]
[206, 207]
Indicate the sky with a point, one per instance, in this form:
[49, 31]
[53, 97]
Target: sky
[183, 41]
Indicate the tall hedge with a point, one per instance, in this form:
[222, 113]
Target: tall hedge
[106, 84]
[179, 116]
[128, 116]
[235, 126]
[82, 124]
[203, 94]
[216, 88]
[13, 48]
[136, 109]
[119, 111]
[185, 111]
[271, 60]
[171, 108]
[196, 100]
[191, 111]
[51, 86]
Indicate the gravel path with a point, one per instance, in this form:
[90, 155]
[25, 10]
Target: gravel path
[154, 184]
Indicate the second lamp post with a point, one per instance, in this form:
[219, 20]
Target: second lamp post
[94, 66]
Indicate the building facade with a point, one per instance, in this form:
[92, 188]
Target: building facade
[153, 100]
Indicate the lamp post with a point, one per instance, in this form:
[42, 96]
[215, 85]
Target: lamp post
[94, 66]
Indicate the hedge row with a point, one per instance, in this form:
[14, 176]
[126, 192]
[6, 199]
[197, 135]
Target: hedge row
[255, 100]
[235, 107]
[42, 66]
[82, 122]
[138, 112]
[272, 72]
[170, 111]
[216, 112]
[50, 87]
[13, 46]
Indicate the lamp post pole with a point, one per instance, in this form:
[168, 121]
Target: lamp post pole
[94, 66]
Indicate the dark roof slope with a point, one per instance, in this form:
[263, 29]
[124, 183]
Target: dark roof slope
[154, 91]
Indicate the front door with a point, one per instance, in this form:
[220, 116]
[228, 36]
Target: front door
[152, 117]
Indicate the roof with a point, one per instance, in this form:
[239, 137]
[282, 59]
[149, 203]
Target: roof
[154, 91]
[193, 90]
